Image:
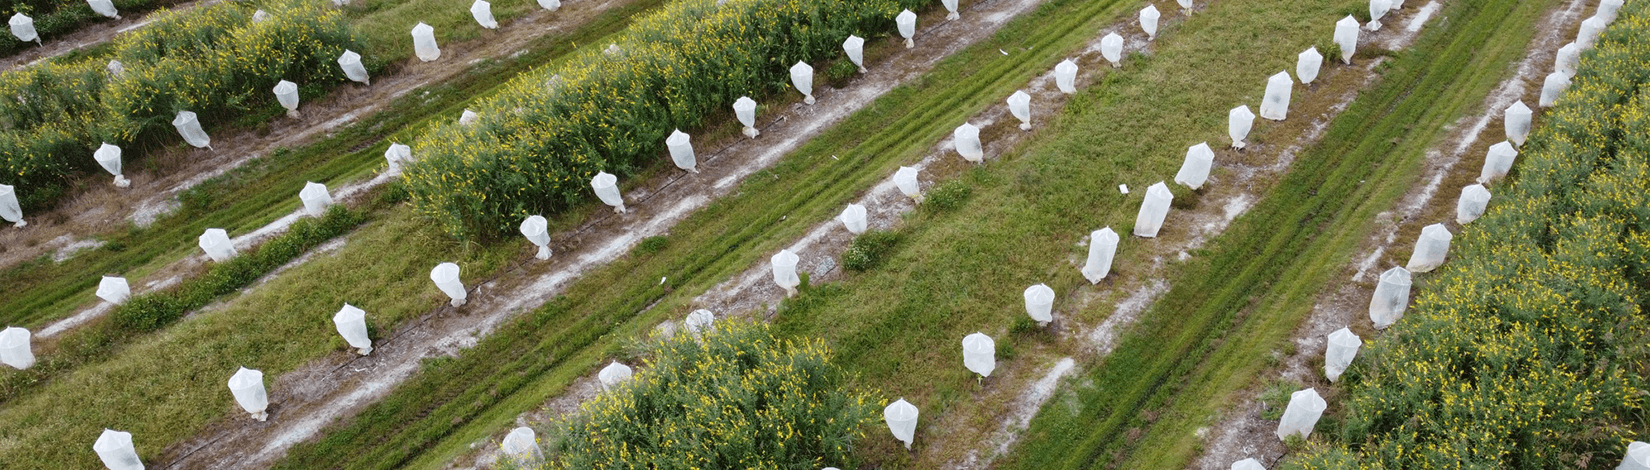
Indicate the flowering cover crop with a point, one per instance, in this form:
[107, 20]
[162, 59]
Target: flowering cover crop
[1529, 349]
[738, 398]
[56, 18]
[540, 140]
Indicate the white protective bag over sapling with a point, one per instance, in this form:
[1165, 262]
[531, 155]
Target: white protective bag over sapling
[537, 231]
[1430, 249]
[1637, 458]
[979, 354]
[260, 16]
[1102, 248]
[1391, 298]
[1040, 303]
[316, 198]
[247, 386]
[1517, 122]
[700, 321]
[854, 218]
[483, 13]
[907, 23]
[551, 5]
[1238, 123]
[607, 189]
[901, 417]
[9, 208]
[802, 77]
[1153, 210]
[1185, 6]
[1474, 200]
[522, 447]
[951, 9]
[350, 61]
[1607, 10]
[1275, 105]
[286, 93]
[1552, 88]
[424, 45]
[906, 180]
[855, 48]
[116, 69]
[107, 8]
[108, 157]
[1065, 76]
[1111, 47]
[1307, 65]
[1148, 21]
[397, 154]
[1305, 407]
[114, 290]
[1346, 36]
[784, 271]
[16, 348]
[1340, 349]
[681, 151]
[1377, 10]
[967, 139]
[351, 323]
[1019, 104]
[1247, 464]
[116, 451]
[744, 109]
[1498, 161]
[1567, 58]
[467, 117]
[1587, 36]
[1195, 170]
[215, 242]
[189, 126]
[23, 27]
[613, 375]
[445, 276]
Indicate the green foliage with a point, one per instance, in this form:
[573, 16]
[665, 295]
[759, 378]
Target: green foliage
[948, 196]
[57, 18]
[840, 72]
[869, 249]
[651, 245]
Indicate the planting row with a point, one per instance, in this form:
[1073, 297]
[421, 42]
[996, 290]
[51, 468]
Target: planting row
[33, 21]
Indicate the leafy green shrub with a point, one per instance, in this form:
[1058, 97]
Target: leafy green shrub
[868, 249]
[737, 398]
[651, 245]
[948, 196]
[840, 72]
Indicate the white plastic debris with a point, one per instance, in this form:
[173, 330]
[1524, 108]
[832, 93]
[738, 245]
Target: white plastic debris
[107, 8]
[1391, 298]
[1430, 249]
[1247, 464]
[215, 242]
[681, 151]
[1019, 104]
[396, 155]
[467, 117]
[424, 45]
[1377, 9]
[1238, 123]
[1102, 248]
[350, 61]
[1607, 10]
[951, 9]
[1517, 123]
[1305, 407]
[23, 27]
[190, 128]
[1065, 76]
[247, 385]
[108, 157]
[700, 321]
[802, 77]
[9, 209]
[901, 417]
[1346, 36]
[613, 375]
[1148, 21]
[287, 94]
[979, 354]
[607, 189]
[1307, 65]
[1553, 88]
[613, 50]
[907, 23]
[855, 48]
[483, 13]
[1275, 105]
[906, 180]
[260, 16]
[1339, 351]
[1153, 210]
[114, 290]
[1567, 58]
[1474, 199]
[537, 231]
[1638, 453]
[16, 349]
[744, 109]
[1498, 161]
[854, 219]
[1040, 303]
[551, 5]
[522, 447]
[967, 138]
[1587, 36]
[1123, 188]
[1111, 47]
[316, 198]
[116, 451]
[1185, 6]
[784, 271]
[116, 69]
[1195, 170]
[351, 323]
[445, 276]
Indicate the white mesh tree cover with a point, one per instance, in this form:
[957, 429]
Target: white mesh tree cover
[1102, 248]
[116, 69]
[104, 7]
[1148, 21]
[1497, 162]
[189, 126]
[784, 271]
[108, 157]
[114, 290]
[286, 93]
[906, 180]
[316, 198]
[613, 375]
[1517, 122]
[1195, 170]
[1430, 249]
[467, 117]
[1040, 303]
[1553, 88]
[1567, 58]
[1391, 298]
[215, 242]
[247, 385]
[551, 5]
[1474, 199]
[23, 27]
[350, 61]
[9, 209]
[681, 151]
[1307, 65]
[901, 417]
[907, 23]
[1637, 458]
[1111, 47]
[537, 231]
[522, 447]
[116, 451]
[744, 109]
[967, 139]
[351, 323]
[1153, 210]
[1340, 349]
[1247, 464]
[15, 348]
[1607, 10]
[260, 16]
[607, 189]
[1275, 105]
[1065, 76]
[483, 13]
[1588, 35]
[445, 276]
[1377, 10]
[951, 9]
[854, 218]
[1238, 123]
[700, 321]
[396, 155]
[855, 48]
[424, 45]
[1305, 407]
[1019, 104]
[979, 354]
[802, 77]
[1346, 36]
